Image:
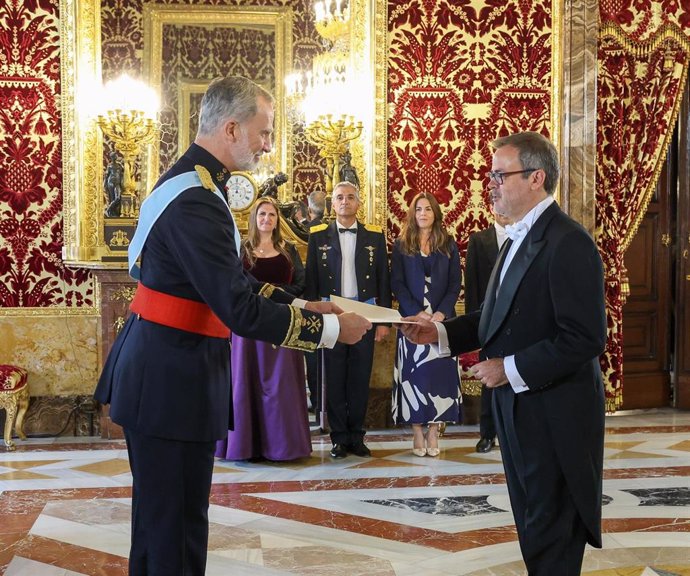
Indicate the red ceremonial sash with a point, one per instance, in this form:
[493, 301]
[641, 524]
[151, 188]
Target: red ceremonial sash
[175, 312]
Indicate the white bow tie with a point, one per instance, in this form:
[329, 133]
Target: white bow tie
[516, 231]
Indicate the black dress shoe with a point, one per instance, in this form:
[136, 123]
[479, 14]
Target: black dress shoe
[359, 449]
[338, 451]
[485, 445]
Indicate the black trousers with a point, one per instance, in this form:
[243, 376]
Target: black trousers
[348, 369]
[170, 493]
[551, 532]
[487, 429]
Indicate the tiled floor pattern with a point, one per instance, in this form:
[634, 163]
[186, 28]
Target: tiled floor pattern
[65, 509]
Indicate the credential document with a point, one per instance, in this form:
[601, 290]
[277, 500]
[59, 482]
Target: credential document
[375, 314]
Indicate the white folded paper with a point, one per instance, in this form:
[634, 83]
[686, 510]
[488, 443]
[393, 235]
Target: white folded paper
[375, 314]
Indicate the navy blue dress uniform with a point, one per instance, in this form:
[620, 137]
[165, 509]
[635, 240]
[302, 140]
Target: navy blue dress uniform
[167, 383]
[348, 367]
[482, 251]
[550, 314]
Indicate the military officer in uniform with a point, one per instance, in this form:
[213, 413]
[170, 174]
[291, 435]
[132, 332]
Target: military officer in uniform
[348, 259]
[167, 377]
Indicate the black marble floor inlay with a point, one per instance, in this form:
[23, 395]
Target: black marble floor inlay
[462, 506]
[679, 496]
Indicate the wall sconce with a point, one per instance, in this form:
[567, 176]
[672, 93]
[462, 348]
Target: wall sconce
[326, 98]
[129, 120]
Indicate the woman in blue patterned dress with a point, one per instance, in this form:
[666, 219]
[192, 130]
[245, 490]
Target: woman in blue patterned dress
[425, 278]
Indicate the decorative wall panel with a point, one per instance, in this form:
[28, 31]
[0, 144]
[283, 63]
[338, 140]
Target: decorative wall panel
[32, 273]
[460, 75]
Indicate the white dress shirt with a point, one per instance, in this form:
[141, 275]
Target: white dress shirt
[524, 226]
[348, 276]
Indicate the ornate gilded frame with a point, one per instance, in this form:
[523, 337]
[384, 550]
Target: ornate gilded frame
[276, 19]
[82, 143]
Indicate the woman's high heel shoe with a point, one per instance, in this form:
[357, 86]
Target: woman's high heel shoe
[432, 448]
[417, 450]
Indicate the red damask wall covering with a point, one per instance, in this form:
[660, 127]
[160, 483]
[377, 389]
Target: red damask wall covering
[459, 76]
[32, 273]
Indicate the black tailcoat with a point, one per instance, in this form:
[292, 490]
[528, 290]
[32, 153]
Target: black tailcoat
[550, 314]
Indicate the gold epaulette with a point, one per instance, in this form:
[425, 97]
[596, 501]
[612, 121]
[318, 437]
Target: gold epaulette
[373, 228]
[318, 228]
[205, 177]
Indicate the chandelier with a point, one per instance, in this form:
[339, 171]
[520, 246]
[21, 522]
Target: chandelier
[327, 98]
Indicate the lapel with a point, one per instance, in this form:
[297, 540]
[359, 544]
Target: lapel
[492, 287]
[533, 243]
[335, 256]
[361, 240]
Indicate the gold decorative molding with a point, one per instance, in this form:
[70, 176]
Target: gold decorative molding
[80, 35]
[369, 55]
[185, 90]
[277, 20]
[48, 312]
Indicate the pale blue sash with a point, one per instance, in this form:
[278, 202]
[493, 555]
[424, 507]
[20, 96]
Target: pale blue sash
[154, 205]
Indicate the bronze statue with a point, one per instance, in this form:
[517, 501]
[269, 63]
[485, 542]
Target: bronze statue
[347, 171]
[113, 182]
[270, 185]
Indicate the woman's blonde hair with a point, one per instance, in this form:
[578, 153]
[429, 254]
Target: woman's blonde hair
[409, 237]
[251, 242]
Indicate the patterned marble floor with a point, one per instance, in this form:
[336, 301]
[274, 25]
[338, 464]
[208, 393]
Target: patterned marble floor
[65, 508]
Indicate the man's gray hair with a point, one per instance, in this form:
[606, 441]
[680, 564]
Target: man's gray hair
[345, 183]
[229, 97]
[534, 151]
[317, 203]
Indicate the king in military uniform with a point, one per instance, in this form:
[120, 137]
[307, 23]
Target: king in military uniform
[348, 259]
[167, 378]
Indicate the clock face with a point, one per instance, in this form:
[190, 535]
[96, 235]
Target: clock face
[241, 191]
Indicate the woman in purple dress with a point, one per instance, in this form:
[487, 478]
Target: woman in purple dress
[425, 278]
[268, 382]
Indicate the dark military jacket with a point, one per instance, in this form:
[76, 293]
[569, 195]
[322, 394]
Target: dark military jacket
[324, 261]
[172, 383]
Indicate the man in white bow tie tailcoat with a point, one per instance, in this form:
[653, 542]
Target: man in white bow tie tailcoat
[541, 330]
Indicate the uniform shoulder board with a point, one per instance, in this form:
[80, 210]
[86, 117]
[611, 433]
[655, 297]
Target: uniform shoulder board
[205, 177]
[373, 228]
[318, 228]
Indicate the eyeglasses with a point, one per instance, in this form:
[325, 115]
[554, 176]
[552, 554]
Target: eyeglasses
[499, 177]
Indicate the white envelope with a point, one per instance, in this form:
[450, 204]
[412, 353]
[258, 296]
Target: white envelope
[375, 314]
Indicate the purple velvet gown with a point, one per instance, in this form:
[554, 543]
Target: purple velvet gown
[268, 391]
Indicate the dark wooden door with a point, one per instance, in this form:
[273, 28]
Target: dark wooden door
[647, 315]
[681, 309]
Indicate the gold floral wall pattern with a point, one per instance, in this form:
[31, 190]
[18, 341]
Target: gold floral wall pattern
[32, 273]
[458, 77]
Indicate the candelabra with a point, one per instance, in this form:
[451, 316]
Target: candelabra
[332, 136]
[129, 121]
[326, 98]
[332, 19]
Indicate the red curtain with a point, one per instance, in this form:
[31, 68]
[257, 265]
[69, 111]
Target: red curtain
[642, 65]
